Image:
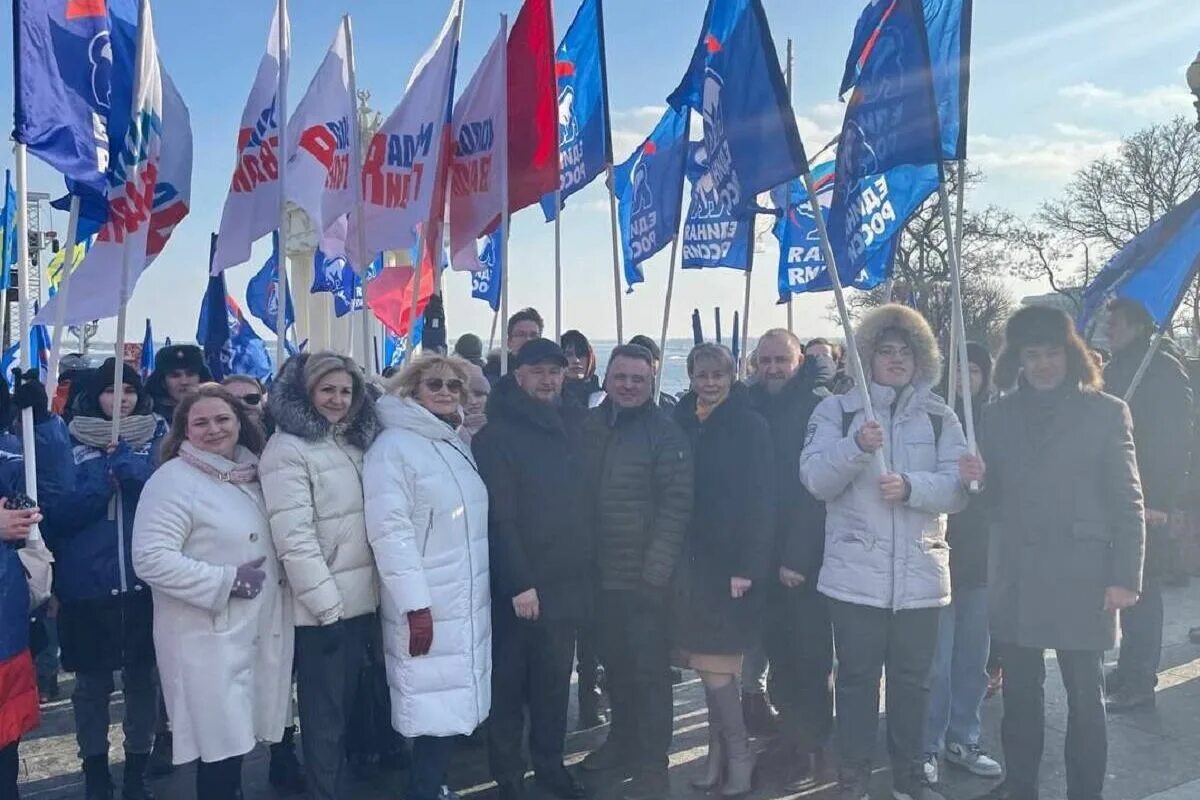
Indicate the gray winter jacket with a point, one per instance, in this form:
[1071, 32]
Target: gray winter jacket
[880, 554]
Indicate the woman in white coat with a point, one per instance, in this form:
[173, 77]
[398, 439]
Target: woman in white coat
[222, 609]
[427, 522]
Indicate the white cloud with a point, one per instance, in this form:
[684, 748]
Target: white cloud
[630, 126]
[1038, 158]
[1073, 131]
[1157, 101]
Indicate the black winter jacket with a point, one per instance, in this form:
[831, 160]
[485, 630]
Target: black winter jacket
[800, 517]
[640, 479]
[732, 532]
[530, 456]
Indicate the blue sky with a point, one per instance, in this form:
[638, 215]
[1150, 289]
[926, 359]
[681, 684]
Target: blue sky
[1055, 83]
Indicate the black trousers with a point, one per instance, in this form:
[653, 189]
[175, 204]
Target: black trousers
[9, 767]
[1141, 638]
[328, 660]
[870, 640]
[634, 637]
[531, 668]
[799, 646]
[1022, 731]
[219, 780]
[430, 761]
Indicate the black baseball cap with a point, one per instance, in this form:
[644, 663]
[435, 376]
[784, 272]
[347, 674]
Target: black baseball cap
[539, 351]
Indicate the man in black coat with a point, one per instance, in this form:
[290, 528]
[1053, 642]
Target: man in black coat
[530, 457]
[640, 482]
[1161, 406]
[798, 635]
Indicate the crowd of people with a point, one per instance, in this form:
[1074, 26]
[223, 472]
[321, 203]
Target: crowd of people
[248, 555]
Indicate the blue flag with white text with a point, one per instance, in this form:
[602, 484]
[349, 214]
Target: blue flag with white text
[735, 82]
[713, 234]
[8, 232]
[1155, 268]
[584, 139]
[146, 365]
[891, 121]
[336, 276]
[649, 189]
[262, 293]
[394, 353]
[485, 284]
[231, 347]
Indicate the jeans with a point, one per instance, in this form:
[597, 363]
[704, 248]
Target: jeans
[754, 669]
[430, 761]
[958, 679]
[531, 668]
[1141, 638]
[634, 637]
[90, 704]
[1022, 731]
[219, 780]
[328, 660]
[799, 642]
[868, 640]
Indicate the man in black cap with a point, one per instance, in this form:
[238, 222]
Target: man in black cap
[178, 370]
[529, 455]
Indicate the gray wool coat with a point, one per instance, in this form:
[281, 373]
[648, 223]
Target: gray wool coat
[1067, 520]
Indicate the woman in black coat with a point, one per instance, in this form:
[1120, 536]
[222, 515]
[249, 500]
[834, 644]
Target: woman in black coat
[729, 552]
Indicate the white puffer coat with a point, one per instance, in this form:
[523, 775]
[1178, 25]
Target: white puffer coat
[225, 664]
[427, 511]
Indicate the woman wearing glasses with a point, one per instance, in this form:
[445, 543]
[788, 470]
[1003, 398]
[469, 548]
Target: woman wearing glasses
[253, 394]
[427, 512]
[312, 482]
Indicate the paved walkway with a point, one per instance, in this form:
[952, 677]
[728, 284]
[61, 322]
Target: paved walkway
[1153, 755]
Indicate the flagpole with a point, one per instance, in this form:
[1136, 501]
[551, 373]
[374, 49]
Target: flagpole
[492, 337]
[504, 212]
[616, 249]
[791, 315]
[856, 366]
[745, 355]
[960, 202]
[662, 346]
[557, 265]
[964, 368]
[281, 256]
[64, 285]
[416, 297]
[26, 346]
[356, 183]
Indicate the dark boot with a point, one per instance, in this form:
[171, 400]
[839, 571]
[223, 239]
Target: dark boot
[285, 773]
[591, 715]
[714, 761]
[761, 717]
[611, 755]
[133, 781]
[97, 781]
[739, 759]
[160, 756]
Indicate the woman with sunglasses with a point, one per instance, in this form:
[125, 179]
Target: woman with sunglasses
[427, 512]
[253, 394]
[312, 482]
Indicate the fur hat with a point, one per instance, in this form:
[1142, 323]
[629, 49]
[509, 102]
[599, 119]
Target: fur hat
[895, 318]
[1034, 326]
[182, 356]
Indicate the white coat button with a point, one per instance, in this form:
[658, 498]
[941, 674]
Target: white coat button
[115, 592]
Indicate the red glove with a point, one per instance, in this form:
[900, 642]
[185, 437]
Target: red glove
[420, 632]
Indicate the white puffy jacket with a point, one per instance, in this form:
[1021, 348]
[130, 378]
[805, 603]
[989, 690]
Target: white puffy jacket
[880, 554]
[427, 512]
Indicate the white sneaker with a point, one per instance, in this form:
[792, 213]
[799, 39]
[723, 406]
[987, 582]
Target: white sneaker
[974, 759]
[930, 768]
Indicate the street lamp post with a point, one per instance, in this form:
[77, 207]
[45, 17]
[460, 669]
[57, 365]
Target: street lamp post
[1193, 79]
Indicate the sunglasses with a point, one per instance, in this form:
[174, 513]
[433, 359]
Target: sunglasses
[252, 399]
[436, 385]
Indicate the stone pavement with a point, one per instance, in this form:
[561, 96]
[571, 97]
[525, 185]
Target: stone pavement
[1153, 754]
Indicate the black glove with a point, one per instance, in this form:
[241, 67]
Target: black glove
[30, 393]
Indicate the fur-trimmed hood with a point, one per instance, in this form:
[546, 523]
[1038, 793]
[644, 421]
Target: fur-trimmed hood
[290, 408]
[926, 355]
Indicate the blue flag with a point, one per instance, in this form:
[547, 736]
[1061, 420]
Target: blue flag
[262, 293]
[734, 81]
[8, 233]
[39, 339]
[584, 138]
[394, 353]
[1154, 269]
[336, 276]
[713, 235]
[891, 121]
[74, 83]
[146, 366]
[649, 189]
[485, 284]
[231, 347]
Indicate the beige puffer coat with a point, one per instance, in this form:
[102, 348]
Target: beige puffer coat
[311, 475]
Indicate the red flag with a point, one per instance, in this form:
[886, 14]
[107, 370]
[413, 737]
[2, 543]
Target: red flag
[389, 294]
[532, 106]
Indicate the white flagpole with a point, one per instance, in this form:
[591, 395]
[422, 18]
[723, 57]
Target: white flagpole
[791, 314]
[744, 365]
[504, 213]
[281, 112]
[616, 250]
[492, 337]
[960, 203]
[964, 369]
[557, 265]
[662, 341]
[856, 367]
[23, 309]
[64, 285]
[356, 184]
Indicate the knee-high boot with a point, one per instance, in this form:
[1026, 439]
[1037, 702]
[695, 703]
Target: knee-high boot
[714, 762]
[726, 701]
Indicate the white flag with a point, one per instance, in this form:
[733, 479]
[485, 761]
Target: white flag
[149, 192]
[403, 168]
[319, 135]
[479, 159]
[252, 205]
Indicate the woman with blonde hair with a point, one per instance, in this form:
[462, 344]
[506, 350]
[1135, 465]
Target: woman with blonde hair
[427, 511]
[312, 482]
[222, 610]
